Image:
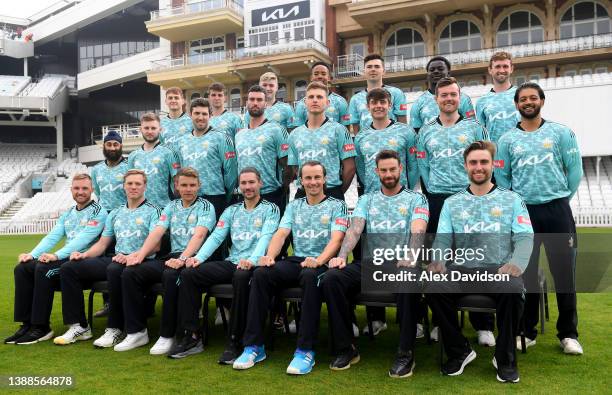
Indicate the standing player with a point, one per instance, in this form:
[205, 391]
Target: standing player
[123, 227]
[276, 111]
[384, 134]
[540, 161]
[317, 223]
[324, 141]
[263, 145]
[425, 108]
[392, 210]
[250, 225]
[496, 110]
[497, 218]
[337, 110]
[440, 145]
[189, 220]
[374, 70]
[37, 273]
[107, 176]
[211, 152]
[107, 179]
[221, 119]
[177, 123]
[158, 162]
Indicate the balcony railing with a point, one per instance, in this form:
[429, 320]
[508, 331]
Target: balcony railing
[192, 8]
[271, 48]
[349, 66]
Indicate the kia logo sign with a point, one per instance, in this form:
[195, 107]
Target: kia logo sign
[280, 13]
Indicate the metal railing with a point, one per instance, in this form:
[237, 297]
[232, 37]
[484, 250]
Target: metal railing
[348, 66]
[19, 227]
[201, 6]
[271, 48]
[127, 131]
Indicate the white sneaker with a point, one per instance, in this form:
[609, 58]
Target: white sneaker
[74, 333]
[377, 327]
[162, 346]
[218, 319]
[571, 346]
[133, 340]
[528, 343]
[420, 333]
[433, 335]
[110, 337]
[486, 338]
[355, 330]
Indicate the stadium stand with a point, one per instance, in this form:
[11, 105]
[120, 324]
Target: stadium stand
[11, 85]
[47, 87]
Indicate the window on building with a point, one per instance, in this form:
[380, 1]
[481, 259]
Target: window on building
[235, 99]
[459, 36]
[281, 94]
[357, 49]
[405, 42]
[207, 45]
[195, 95]
[601, 70]
[262, 36]
[520, 27]
[300, 89]
[585, 19]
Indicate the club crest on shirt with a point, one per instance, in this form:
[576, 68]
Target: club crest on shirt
[156, 160]
[257, 222]
[465, 214]
[261, 139]
[205, 144]
[276, 117]
[139, 221]
[496, 212]
[325, 140]
[462, 138]
[547, 143]
[325, 219]
[119, 177]
[191, 219]
[182, 128]
[402, 210]
[83, 222]
[393, 142]
[331, 109]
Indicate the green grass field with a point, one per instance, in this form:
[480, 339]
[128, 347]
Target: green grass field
[544, 369]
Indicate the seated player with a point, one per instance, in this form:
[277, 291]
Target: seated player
[250, 225]
[37, 273]
[189, 220]
[482, 214]
[317, 223]
[391, 211]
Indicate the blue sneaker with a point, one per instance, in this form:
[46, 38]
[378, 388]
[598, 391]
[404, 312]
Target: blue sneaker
[302, 362]
[249, 357]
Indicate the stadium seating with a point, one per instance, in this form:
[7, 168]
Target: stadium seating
[45, 205]
[6, 199]
[11, 85]
[47, 87]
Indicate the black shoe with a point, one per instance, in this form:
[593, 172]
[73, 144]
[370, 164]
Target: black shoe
[37, 333]
[345, 360]
[506, 374]
[23, 329]
[403, 365]
[455, 366]
[188, 345]
[232, 351]
[103, 312]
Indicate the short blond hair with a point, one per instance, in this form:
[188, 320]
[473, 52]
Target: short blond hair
[149, 117]
[134, 172]
[188, 172]
[268, 76]
[81, 176]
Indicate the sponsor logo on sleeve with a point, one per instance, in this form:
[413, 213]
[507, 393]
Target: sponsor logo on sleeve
[412, 150]
[92, 222]
[420, 154]
[524, 220]
[346, 117]
[421, 210]
[175, 165]
[220, 224]
[163, 217]
[469, 114]
[230, 155]
[349, 147]
[284, 147]
[499, 163]
[403, 107]
[342, 221]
